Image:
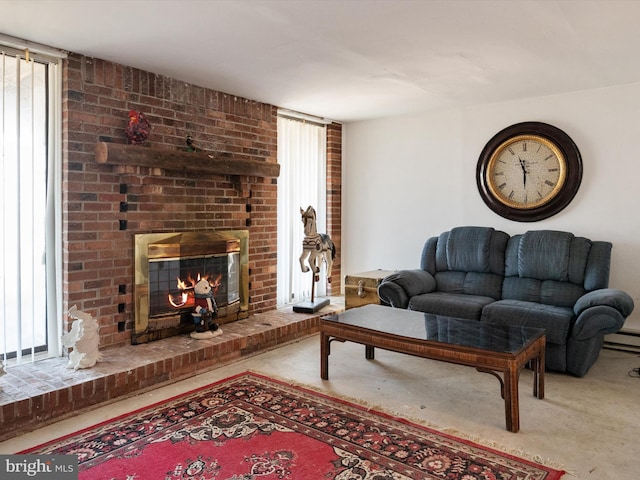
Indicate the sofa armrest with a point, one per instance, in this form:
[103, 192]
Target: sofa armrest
[397, 288]
[595, 321]
[611, 297]
[601, 312]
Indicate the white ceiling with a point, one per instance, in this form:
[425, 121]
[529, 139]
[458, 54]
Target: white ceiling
[352, 59]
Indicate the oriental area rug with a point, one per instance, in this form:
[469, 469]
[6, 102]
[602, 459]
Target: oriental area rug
[251, 427]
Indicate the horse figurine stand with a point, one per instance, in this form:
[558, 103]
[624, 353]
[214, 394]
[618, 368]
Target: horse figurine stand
[316, 247]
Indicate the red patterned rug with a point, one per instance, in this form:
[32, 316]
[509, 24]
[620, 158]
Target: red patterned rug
[251, 427]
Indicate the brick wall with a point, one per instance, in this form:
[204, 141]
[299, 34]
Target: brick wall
[334, 200]
[105, 205]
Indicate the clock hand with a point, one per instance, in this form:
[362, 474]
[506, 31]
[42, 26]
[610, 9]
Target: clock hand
[524, 172]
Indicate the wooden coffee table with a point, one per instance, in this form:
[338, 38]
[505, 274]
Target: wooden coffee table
[499, 350]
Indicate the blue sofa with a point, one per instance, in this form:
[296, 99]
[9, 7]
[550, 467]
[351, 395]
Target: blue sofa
[545, 279]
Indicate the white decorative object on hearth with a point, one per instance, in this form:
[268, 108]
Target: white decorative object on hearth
[83, 338]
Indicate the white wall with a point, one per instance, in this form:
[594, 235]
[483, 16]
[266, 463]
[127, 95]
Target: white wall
[412, 177]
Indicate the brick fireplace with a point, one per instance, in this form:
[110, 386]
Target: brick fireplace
[107, 204]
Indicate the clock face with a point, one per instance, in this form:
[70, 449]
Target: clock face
[529, 171]
[526, 171]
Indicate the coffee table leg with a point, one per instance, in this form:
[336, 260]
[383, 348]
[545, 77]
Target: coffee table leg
[324, 356]
[539, 387]
[534, 364]
[511, 399]
[369, 352]
[537, 365]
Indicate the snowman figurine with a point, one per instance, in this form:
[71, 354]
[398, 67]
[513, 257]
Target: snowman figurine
[204, 311]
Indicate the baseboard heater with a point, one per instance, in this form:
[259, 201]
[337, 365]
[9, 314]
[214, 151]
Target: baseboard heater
[627, 341]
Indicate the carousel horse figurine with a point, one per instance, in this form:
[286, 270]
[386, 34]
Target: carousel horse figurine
[315, 246]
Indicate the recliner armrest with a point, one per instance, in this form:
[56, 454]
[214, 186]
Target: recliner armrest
[601, 312]
[610, 297]
[397, 288]
[599, 320]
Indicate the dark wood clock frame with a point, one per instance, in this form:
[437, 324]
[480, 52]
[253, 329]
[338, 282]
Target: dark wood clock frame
[573, 165]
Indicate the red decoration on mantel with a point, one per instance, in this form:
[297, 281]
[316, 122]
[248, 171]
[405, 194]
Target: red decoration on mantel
[138, 128]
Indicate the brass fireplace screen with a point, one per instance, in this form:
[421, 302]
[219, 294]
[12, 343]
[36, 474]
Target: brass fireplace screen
[167, 265]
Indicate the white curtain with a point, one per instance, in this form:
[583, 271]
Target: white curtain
[30, 218]
[53, 214]
[302, 182]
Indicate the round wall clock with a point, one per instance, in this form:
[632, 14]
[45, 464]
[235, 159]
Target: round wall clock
[529, 171]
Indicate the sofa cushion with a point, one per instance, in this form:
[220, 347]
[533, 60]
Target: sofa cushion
[544, 255]
[556, 321]
[450, 304]
[511, 256]
[598, 265]
[450, 282]
[578, 257]
[550, 292]
[471, 283]
[468, 249]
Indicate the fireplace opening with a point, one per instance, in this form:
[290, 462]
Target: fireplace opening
[171, 280]
[169, 265]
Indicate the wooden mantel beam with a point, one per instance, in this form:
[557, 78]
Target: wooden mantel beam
[122, 154]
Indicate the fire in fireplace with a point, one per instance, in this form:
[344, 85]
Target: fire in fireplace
[168, 265]
[172, 279]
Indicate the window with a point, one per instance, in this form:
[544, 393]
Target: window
[302, 153]
[29, 205]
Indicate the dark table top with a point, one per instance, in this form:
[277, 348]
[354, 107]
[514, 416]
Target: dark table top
[438, 328]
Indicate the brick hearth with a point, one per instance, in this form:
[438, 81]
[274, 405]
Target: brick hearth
[36, 394]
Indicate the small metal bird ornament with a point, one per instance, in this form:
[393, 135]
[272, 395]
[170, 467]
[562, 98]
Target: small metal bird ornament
[138, 128]
[190, 145]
